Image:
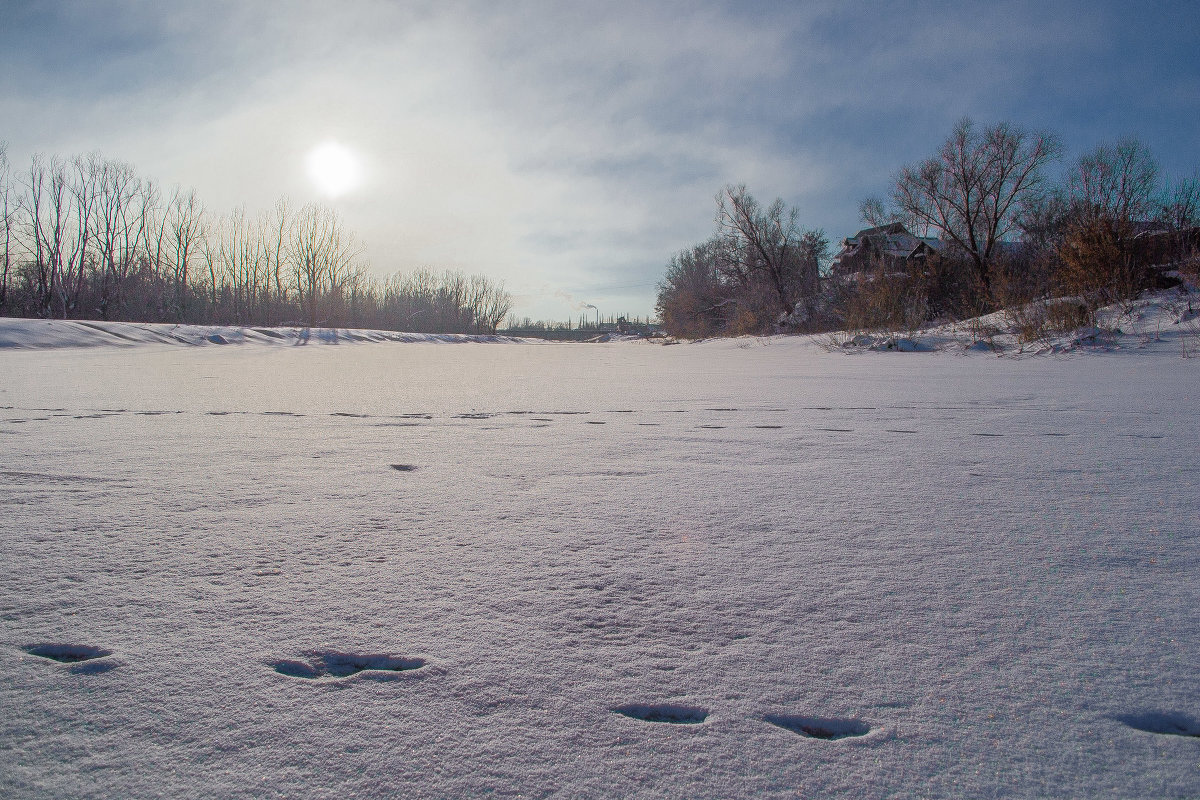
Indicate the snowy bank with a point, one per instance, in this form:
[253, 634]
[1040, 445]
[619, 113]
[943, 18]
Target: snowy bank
[1167, 321]
[42, 333]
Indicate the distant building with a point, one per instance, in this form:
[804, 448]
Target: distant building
[1165, 252]
[891, 247]
[626, 327]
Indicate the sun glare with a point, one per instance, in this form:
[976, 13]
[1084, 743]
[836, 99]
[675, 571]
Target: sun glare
[334, 169]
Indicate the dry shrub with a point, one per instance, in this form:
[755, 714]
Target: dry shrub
[1063, 316]
[1028, 322]
[744, 322]
[1097, 262]
[1017, 290]
[887, 301]
[953, 288]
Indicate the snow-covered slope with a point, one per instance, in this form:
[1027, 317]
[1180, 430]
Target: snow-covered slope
[35, 333]
[740, 568]
[1167, 321]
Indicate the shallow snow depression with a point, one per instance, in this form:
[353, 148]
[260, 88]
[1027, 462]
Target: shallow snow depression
[726, 569]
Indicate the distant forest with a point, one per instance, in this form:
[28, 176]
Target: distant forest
[976, 227]
[86, 237]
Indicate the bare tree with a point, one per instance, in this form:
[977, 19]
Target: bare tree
[187, 226]
[47, 211]
[84, 189]
[7, 222]
[767, 244]
[321, 253]
[118, 231]
[1116, 182]
[1111, 190]
[693, 301]
[971, 190]
[243, 263]
[154, 258]
[876, 214]
[489, 303]
[1181, 204]
[275, 226]
[210, 252]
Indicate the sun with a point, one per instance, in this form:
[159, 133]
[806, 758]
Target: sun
[334, 168]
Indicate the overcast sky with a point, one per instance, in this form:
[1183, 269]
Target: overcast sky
[569, 148]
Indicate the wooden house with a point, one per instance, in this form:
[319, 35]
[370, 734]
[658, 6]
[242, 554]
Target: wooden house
[891, 247]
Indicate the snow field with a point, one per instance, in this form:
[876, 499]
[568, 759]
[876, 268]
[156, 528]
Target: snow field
[615, 570]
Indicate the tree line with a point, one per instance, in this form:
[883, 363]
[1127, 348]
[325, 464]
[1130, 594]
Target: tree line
[86, 237]
[1000, 234]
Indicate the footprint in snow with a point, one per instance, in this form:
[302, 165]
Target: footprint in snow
[1164, 722]
[333, 665]
[80, 657]
[669, 713]
[819, 727]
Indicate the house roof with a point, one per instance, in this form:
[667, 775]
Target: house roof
[892, 240]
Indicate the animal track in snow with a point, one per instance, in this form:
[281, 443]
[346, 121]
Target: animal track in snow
[670, 713]
[82, 658]
[1164, 722]
[67, 653]
[819, 727]
[333, 665]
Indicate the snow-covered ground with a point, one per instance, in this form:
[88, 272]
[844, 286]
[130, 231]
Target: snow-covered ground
[727, 569]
